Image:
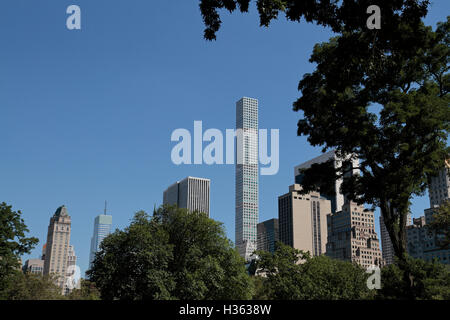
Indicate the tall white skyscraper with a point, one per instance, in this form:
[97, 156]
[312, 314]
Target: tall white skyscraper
[191, 193]
[102, 228]
[246, 176]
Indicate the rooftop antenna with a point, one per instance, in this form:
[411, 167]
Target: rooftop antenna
[105, 208]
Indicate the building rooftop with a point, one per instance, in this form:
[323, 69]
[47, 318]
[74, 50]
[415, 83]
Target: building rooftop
[61, 211]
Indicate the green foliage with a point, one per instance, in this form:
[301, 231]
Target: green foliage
[172, 255]
[260, 288]
[31, 287]
[295, 275]
[132, 264]
[440, 225]
[87, 291]
[13, 243]
[340, 16]
[429, 281]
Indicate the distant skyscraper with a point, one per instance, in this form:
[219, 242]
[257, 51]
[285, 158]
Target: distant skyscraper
[421, 244]
[303, 220]
[246, 177]
[191, 193]
[102, 228]
[337, 200]
[57, 247]
[386, 244]
[267, 235]
[352, 236]
[439, 189]
[34, 266]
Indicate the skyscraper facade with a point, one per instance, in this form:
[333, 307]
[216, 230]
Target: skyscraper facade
[102, 228]
[57, 246]
[352, 236]
[423, 245]
[246, 205]
[338, 199]
[439, 189]
[303, 220]
[386, 243]
[34, 266]
[268, 235]
[191, 193]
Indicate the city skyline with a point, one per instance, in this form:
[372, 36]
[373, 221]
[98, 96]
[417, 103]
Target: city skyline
[88, 115]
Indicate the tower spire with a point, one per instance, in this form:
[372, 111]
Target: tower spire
[105, 208]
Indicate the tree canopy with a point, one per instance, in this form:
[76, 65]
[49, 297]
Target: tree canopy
[175, 254]
[314, 278]
[429, 281]
[340, 16]
[30, 286]
[13, 243]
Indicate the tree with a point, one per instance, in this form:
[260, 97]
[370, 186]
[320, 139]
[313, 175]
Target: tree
[132, 264]
[430, 281]
[13, 243]
[87, 291]
[315, 278]
[32, 287]
[380, 95]
[175, 254]
[340, 16]
[440, 225]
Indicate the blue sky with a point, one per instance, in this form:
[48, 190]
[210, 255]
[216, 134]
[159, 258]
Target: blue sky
[86, 116]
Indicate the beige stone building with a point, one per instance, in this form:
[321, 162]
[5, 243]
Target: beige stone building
[57, 246]
[352, 236]
[303, 220]
[34, 266]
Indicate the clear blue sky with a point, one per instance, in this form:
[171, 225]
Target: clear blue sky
[86, 116]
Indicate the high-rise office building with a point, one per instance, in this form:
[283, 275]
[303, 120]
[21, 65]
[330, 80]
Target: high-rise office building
[386, 243]
[57, 247]
[102, 228]
[268, 235]
[303, 220]
[191, 193]
[439, 189]
[246, 196]
[34, 266]
[338, 199]
[352, 236]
